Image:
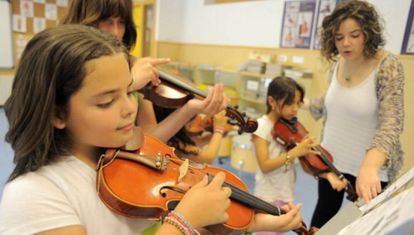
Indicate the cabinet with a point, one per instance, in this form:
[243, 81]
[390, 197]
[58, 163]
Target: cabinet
[252, 92]
[253, 89]
[206, 76]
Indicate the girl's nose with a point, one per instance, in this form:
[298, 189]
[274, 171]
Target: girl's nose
[129, 106]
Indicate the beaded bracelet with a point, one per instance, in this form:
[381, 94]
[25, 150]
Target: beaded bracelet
[176, 219]
[173, 221]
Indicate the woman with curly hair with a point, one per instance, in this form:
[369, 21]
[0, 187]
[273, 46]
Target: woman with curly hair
[362, 108]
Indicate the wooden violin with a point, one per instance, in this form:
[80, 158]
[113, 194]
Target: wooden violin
[289, 133]
[174, 92]
[201, 124]
[150, 181]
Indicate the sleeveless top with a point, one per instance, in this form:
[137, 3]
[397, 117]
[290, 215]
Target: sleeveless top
[389, 90]
[352, 122]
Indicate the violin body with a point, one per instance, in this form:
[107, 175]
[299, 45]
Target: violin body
[290, 132]
[288, 136]
[151, 181]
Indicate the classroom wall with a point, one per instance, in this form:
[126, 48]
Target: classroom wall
[252, 23]
[202, 34]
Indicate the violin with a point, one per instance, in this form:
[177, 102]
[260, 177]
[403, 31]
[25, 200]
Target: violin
[150, 181]
[202, 124]
[174, 92]
[290, 132]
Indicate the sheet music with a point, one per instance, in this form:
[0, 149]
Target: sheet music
[398, 184]
[386, 217]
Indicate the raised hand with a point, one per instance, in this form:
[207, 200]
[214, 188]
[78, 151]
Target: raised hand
[144, 70]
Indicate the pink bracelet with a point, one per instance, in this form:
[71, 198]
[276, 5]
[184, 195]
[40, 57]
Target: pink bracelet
[176, 219]
[180, 226]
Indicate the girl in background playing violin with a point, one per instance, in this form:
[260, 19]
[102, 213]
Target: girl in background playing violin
[79, 111]
[115, 17]
[275, 181]
[203, 149]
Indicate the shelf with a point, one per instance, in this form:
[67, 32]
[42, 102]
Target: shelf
[256, 101]
[250, 74]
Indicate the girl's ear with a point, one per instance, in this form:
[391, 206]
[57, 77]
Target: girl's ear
[59, 121]
[272, 102]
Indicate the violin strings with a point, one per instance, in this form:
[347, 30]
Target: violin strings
[253, 201]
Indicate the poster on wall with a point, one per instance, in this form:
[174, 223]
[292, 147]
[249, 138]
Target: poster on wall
[297, 24]
[408, 41]
[326, 7]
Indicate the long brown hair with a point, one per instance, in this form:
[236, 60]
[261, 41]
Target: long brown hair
[91, 12]
[366, 16]
[51, 69]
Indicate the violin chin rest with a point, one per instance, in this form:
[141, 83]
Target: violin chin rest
[136, 141]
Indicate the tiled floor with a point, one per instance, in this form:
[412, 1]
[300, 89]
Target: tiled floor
[305, 188]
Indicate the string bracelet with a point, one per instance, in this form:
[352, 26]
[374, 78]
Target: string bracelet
[219, 130]
[287, 161]
[176, 219]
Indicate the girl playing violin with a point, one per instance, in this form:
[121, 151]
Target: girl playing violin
[202, 149]
[275, 181]
[65, 109]
[115, 17]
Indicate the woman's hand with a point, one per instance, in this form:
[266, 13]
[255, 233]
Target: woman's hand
[368, 183]
[144, 70]
[206, 203]
[215, 101]
[283, 223]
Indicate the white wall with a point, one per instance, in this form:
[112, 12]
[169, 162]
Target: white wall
[252, 23]
[6, 46]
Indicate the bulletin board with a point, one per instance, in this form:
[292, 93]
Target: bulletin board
[297, 24]
[326, 7]
[32, 16]
[408, 41]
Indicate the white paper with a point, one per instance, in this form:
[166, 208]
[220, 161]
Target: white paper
[39, 24]
[62, 3]
[252, 85]
[385, 218]
[398, 184]
[51, 11]
[19, 24]
[26, 8]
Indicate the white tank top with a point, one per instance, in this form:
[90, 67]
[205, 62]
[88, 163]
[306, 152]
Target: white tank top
[351, 123]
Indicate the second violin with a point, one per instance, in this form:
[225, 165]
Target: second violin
[175, 91]
[290, 132]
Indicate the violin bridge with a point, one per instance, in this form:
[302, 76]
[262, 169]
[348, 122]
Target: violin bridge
[183, 170]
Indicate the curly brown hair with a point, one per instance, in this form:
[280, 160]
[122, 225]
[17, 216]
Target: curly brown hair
[366, 16]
